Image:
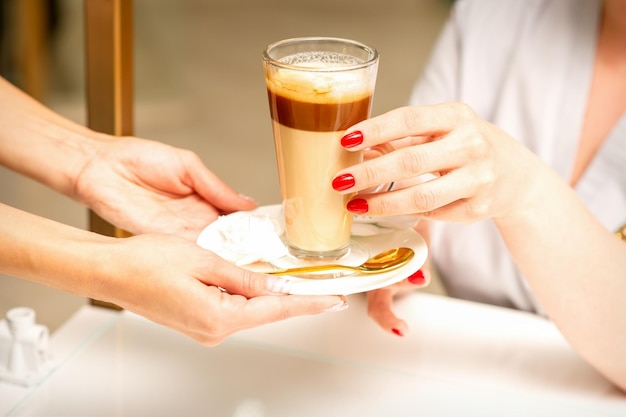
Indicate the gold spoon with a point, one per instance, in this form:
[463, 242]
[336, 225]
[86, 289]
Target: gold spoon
[383, 262]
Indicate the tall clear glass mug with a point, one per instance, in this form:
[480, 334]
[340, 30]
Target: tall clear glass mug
[317, 88]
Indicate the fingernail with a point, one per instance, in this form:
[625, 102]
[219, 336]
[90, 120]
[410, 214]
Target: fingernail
[397, 332]
[417, 278]
[358, 206]
[352, 139]
[279, 285]
[342, 305]
[247, 197]
[343, 182]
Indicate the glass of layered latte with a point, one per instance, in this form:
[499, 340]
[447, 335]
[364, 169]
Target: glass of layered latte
[317, 88]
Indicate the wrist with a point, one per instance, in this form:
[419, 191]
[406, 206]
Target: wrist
[84, 147]
[104, 265]
[531, 187]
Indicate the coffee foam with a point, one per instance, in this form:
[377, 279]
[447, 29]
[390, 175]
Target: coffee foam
[321, 86]
[321, 59]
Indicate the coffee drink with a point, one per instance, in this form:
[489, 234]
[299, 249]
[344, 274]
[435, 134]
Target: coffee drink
[314, 97]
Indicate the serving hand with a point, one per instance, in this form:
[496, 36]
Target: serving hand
[146, 186]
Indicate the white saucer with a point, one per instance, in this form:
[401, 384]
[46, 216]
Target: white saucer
[356, 283]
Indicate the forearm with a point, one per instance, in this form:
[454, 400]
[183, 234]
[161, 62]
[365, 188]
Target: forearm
[54, 254]
[41, 144]
[576, 269]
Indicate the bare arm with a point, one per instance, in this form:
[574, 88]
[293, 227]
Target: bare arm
[41, 144]
[165, 278]
[139, 185]
[574, 265]
[576, 269]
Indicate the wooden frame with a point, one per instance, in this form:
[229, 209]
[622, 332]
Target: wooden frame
[30, 53]
[109, 66]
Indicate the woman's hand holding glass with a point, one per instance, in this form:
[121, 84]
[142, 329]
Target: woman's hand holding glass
[476, 172]
[477, 167]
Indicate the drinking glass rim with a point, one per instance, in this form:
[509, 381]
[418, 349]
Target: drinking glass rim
[371, 51]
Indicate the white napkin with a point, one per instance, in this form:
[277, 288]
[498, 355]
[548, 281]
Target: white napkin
[244, 238]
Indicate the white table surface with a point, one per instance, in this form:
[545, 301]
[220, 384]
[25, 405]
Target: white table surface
[459, 358]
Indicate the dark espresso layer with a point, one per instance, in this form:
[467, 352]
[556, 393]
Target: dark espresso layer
[317, 117]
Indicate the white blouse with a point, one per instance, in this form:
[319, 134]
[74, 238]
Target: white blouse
[526, 66]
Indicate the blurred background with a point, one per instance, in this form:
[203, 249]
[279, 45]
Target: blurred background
[198, 85]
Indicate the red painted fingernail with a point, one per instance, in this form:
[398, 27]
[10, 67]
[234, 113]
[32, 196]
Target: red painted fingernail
[358, 206]
[343, 182]
[397, 332]
[417, 278]
[352, 139]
